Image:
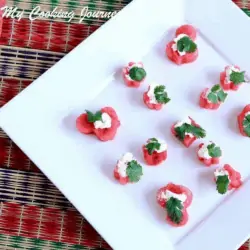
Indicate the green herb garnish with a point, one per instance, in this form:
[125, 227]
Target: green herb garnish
[153, 145]
[94, 117]
[214, 151]
[222, 183]
[174, 210]
[137, 74]
[134, 171]
[161, 95]
[185, 44]
[189, 128]
[217, 94]
[246, 125]
[237, 77]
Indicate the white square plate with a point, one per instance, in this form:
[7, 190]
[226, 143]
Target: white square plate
[41, 122]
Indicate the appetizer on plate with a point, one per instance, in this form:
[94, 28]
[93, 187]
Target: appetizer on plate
[175, 199]
[183, 48]
[134, 74]
[226, 179]
[103, 123]
[232, 78]
[128, 170]
[209, 153]
[156, 97]
[154, 151]
[187, 131]
[244, 121]
[212, 98]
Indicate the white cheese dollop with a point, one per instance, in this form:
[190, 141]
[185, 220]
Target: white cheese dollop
[123, 164]
[203, 151]
[174, 46]
[151, 94]
[229, 71]
[105, 123]
[220, 172]
[168, 194]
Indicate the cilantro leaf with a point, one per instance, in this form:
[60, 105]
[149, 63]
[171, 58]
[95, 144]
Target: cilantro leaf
[134, 171]
[153, 145]
[94, 117]
[222, 184]
[214, 151]
[161, 95]
[212, 97]
[237, 77]
[186, 44]
[215, 88]
[188, 128]
[137, 74]
[222, 96]
[246, 125]
[174, 210]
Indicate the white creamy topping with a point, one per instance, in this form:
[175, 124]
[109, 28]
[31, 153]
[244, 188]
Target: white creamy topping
[151, 94]
[203, 151]
[220, 172]
[229, 71]
[163, 146]
[174, 46]
[105, 123]
[180, 123]
[123, 164]
[168, 194]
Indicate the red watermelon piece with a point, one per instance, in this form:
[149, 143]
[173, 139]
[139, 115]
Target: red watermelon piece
[106, 134]
[154, 159]
[204, 103]
[187, 29]
[122, 180]
[234, 176]
[151, 105]
[130, 82]
[178, 59]
[241, 117]
[210, 161]
[228, 85]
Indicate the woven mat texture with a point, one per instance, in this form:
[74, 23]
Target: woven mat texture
[33, 213]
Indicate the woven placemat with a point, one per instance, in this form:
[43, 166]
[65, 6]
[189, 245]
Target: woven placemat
[33, 213]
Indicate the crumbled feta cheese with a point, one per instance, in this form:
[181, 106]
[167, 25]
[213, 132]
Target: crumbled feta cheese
[104, 123]
[229, 71]
[151, 93]
[123, 164]
[203, 151]
[220, 172]
[168, 194]
[174, 46]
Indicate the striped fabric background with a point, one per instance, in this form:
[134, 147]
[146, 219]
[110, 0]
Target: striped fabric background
[33, 213]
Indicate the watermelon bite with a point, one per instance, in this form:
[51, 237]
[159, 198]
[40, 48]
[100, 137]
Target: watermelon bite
[175, 199]
[154, 151]
[232, 78]
[209, 153]
[156, 97]
[104, 123]
[244, 121]
[212, 98]
[128, 170]
[183, 48]
[187, 131]
[226, 179]
[134, 74]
